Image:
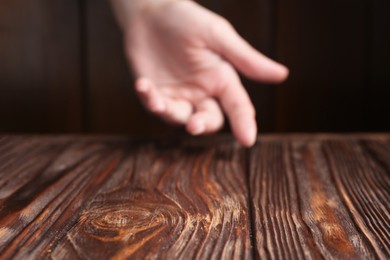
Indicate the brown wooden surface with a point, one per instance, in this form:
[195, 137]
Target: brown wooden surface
[321, 198]
[291, 197]
[40, 85]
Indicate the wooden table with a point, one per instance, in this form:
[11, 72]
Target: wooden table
[291, 197]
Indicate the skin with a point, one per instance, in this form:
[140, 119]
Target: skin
[186, 58]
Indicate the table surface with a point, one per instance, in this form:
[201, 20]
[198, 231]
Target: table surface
[291, 197]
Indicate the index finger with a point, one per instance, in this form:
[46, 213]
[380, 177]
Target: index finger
[238, 106]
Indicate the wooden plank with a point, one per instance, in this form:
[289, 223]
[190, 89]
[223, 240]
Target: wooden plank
[322, 196]
[53, 192]
[364, 186]
[167, 202]
[175, 200]
[39, 68]
[304, 199]
[380, 151]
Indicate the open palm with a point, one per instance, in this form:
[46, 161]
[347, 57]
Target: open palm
[184, 58]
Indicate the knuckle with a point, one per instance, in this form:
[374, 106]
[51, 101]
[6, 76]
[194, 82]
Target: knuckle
[219, 27]
[224, 23]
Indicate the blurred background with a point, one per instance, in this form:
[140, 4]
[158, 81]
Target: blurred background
[62, 68]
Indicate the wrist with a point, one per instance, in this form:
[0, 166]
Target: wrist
[129, 12]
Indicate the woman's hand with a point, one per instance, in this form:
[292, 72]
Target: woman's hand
[184, 57]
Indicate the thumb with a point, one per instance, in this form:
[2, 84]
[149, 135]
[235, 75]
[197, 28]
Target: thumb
[224, 40]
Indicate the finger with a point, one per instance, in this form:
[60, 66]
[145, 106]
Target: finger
[236, 103]
[207, 119]
[225, 40]
[175, 111]
[152, 99]
[178, 111]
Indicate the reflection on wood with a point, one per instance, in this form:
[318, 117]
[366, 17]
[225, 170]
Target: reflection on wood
[289, 197]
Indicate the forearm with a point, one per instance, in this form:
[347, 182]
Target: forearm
[127, 11]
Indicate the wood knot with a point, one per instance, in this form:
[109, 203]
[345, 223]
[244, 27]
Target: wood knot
[120, 222]
[118, 219]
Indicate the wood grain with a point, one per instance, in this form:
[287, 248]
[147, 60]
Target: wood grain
[289, 197]
[364, 186]
[157, 201]
[319, 199]
[56, 185]
[161, 202]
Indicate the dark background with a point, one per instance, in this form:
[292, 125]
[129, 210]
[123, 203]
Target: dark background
[62, 68]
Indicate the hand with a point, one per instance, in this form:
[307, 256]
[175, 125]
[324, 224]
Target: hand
[184, 57]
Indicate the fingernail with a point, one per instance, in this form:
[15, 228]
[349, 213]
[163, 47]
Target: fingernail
[286, 72]
[251, 136]
[249, 132]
